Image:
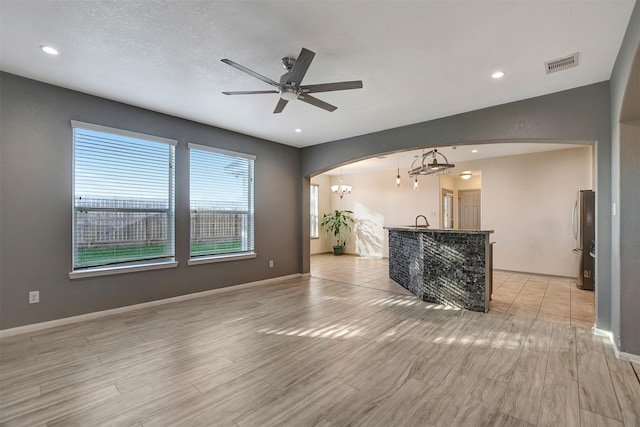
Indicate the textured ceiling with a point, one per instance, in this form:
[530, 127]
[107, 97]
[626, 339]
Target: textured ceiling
[418, 60]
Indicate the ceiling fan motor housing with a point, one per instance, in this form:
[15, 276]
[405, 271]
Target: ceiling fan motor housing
[287, 62]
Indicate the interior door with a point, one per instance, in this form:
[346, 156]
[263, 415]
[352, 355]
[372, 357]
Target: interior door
[469, 209]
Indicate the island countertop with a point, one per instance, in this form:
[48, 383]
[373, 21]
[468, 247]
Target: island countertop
[423, 229]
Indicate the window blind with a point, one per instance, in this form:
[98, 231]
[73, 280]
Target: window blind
[123, 197]
[221, 201]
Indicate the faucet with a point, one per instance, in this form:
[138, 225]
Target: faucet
[425, 220]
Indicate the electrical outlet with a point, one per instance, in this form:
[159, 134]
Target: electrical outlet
[270, 263]
[34, 297]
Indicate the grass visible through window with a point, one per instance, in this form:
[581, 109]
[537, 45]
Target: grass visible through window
[98, 256]
[215, 248]
[101, 256]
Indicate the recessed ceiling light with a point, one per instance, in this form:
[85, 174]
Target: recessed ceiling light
[298, 130]
[49, 50]
[474, 151]
[497, 74]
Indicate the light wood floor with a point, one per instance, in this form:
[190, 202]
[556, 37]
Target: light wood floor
[528, 295]
[314, 352]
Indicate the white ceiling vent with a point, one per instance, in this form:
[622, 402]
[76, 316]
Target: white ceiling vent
[561, 63]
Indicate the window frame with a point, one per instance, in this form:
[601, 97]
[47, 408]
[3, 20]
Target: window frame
[229, 256]
[168, 261]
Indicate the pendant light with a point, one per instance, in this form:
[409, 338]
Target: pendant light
[415, 184]
[341, 189]
[433, 167]
[398, 176]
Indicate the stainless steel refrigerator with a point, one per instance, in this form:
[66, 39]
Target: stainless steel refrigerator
[584, 231]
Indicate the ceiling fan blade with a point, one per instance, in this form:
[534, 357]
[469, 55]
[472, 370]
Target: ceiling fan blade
[300, 67]
[317, 102]
[250, 92]
[250, 72]
[281, 104]
[329, 87]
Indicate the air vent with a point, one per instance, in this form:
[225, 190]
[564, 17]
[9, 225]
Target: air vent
[561, 63]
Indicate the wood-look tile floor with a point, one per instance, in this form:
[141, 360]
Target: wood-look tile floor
[528, 295]
[314, 352]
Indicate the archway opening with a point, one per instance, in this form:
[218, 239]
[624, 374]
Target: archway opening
[528, 190]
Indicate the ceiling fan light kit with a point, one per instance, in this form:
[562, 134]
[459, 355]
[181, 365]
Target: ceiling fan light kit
[290, 87]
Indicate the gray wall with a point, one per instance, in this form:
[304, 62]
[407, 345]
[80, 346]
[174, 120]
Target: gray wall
[577, 115]
[625, 119]
[36, 200]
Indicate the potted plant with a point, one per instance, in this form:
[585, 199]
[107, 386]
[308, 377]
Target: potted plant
[337, 224]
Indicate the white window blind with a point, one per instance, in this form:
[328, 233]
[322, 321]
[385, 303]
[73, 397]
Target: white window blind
[123, 198]
[221, 190]
[313, 208]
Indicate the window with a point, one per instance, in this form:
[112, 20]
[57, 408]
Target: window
[313, 197]
[123, 203]
[221, 189]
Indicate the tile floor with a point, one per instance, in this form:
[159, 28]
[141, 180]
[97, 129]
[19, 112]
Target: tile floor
[527, 295]
[314, 352]
[354, 350]
[543, 297]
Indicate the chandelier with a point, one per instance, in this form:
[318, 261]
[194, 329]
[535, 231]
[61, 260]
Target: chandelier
[341, 189]
[428, 164]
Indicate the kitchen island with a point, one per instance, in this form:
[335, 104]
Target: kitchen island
[445, 266]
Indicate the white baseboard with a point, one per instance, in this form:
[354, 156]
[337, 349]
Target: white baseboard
[602, 333]
[98, 314]
[630, 357]
[538, 274]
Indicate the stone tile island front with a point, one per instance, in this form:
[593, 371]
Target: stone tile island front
[444, 266]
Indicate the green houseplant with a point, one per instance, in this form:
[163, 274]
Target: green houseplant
[337, 224]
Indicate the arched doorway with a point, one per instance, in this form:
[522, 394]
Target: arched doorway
[572, 116]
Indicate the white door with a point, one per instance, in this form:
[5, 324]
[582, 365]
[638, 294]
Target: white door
[469, 208]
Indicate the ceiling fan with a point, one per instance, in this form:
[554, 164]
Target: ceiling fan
[290, 86]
